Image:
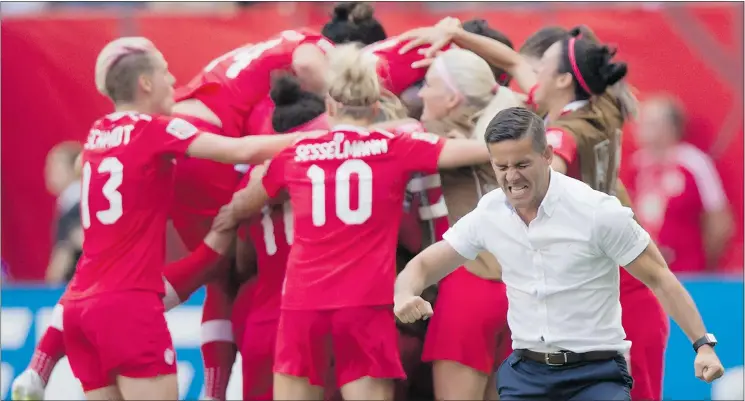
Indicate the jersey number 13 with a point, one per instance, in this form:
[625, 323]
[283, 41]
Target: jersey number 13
[115, 169]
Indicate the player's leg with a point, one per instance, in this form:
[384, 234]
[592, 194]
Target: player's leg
[366, 356]
[410, 348]
[302, 355]
[31, 383]
[257, 353]
[463, 350]
[649, 340]
[218, 344]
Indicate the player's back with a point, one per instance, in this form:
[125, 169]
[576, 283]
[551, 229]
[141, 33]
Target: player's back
[346, 189]
[232, 84]
[126, 187]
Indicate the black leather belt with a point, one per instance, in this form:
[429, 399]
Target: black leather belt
[565, 357]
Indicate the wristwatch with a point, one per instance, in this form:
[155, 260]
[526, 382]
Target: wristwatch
[707, 339]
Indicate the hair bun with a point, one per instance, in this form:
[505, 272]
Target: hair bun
[342, 10]
[584, 32]
[285, 90]
[613, 72]
[361, 12]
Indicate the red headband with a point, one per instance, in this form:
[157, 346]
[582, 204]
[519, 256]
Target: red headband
[573, 62]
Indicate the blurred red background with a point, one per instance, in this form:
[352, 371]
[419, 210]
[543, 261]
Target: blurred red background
[693, 50]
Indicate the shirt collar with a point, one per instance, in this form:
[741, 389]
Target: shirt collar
[350, 128]
[548, 205]
[575, 105]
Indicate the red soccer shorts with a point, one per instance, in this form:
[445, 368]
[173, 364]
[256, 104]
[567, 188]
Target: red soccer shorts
[257, 353]
[648, 336]
[363, 341]
[123, 333]
[469, 325]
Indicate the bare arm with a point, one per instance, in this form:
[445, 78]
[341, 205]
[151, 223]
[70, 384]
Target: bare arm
[497, 54]
[717, 227]
[426, 269]
[249, 150]
[650, 268]
[249, 201]
[462, 152]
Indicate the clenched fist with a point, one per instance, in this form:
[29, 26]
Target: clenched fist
[707, 365]
[409, 310]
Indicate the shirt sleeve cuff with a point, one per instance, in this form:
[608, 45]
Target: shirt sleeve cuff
[460, 245]
[636, 250]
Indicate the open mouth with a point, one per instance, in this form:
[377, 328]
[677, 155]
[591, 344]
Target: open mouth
[518, 190]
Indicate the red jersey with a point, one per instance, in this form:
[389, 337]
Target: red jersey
[671, 196]
[394, 70]
[128, 164]
[271, 234]
[232, 84]
[346, 190]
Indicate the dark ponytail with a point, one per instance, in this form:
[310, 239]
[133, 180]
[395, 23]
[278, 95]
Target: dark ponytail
[589, 63]
[354, 22]
[293, 105]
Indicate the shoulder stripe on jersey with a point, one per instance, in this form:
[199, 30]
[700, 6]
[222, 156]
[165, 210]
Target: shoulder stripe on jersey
[701, 167]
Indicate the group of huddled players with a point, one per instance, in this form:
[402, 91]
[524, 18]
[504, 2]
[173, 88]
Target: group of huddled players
[302, 173]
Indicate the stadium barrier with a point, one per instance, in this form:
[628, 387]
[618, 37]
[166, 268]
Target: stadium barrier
[693, 50]
[26, 312]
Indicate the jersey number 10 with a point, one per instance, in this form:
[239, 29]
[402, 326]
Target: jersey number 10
[343, 208]
[115, 169]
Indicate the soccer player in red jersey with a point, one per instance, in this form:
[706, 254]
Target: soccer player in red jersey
[127, 173]
[346, 189]
[267, 239]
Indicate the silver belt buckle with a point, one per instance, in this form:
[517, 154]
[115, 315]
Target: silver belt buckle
[547, 359]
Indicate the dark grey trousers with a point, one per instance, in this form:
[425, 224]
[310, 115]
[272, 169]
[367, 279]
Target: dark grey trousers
[522, 379]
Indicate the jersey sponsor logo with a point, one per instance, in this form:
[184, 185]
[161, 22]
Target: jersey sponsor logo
[340, 148]
[181, 128]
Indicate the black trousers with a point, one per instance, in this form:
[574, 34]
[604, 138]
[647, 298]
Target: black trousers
[522, 379]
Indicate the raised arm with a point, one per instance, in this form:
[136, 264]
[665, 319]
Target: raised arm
[249, 150]
[462, 152]
[494, 52]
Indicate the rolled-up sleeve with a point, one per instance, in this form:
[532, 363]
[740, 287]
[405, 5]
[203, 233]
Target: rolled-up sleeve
[616, 232]
[465, 236]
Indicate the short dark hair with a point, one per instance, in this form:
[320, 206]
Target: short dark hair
[122, 77]
[515, 123]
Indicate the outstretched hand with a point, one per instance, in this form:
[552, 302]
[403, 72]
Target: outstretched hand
[437, 37]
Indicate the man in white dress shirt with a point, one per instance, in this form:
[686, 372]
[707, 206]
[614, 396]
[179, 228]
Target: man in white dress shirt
[560, 244]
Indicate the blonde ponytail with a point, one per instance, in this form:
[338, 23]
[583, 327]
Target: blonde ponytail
[352, 77]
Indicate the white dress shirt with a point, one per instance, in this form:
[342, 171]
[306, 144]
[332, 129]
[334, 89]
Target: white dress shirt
[562, 270]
